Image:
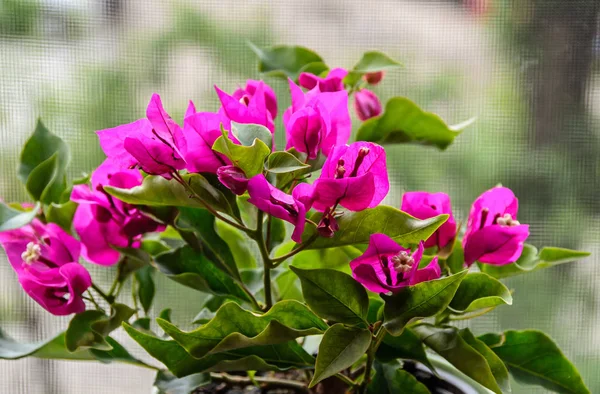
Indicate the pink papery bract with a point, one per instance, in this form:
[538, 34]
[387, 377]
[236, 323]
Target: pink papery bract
[423, 205]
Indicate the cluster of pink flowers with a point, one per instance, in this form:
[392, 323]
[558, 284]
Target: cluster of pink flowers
[317, 124]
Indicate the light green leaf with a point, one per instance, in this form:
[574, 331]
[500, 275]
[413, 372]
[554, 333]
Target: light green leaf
[285, 61]
[235, 328]
[532, 357]
[422, 300]
[479, 291]
[11, 218]
[283, 167]
[447, 342]
[334, 295]
[246, 133]
[249, 159]
[390, 379]
[166, 383]
[158, 191]
[62, 214]
[371, 61]
[403, 121]
[357, 227]
[531, 260]
[340, 347]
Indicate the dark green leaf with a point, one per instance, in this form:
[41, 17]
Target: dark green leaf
[479, 291]
[81, 335]
[119, 313]
[334, 295]
[340, 347]
[166, 383]
[192, 269]
[375, 309]
[496, 365]
[405, 346]
[203, 223]
[278, 357]
[133, 260]
[235, 328]
[277, 233]
[117, 353]
[283, 168]
[209, 309]
[165, 314]
[158, 191]
[146, 288]
[285, 61]
[62, 214]
[531, 260]
[246, 133]
[357, 227]
[403, 121]
[390, 379]
[422, 300]
[11, 218]
[532, 357]
[447, 342]
[249, 159]
[43, 164]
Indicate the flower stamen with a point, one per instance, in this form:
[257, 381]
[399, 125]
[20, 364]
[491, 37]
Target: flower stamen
[507, 220]
[403, 262]
[32, 253]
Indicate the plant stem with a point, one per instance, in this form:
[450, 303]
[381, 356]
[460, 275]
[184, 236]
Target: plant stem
[134, 296]
[264, 252]
[299, 249]
[271, 383]
[107, 298]
[93, 300]
[377, 339]
[345, 379]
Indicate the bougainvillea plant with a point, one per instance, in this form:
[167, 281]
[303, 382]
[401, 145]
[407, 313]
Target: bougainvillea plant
[311, 284]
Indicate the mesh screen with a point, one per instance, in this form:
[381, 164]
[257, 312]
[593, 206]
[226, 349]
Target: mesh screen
[529, 72]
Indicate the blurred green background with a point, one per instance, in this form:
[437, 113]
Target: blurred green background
[529, 71]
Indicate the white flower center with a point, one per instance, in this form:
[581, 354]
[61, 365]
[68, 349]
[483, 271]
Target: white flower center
[403, 262]
[32, 253]
[507, 220]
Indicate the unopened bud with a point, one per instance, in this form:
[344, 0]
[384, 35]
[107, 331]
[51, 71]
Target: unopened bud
[340, 170]
[233, 178]
[374, 78]
[366, 104]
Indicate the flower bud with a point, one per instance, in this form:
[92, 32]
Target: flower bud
[233, 178]
[373, 78]
[366, 104]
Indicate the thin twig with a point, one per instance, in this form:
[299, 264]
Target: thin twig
[303, 245]
[102, 294]
[271, 383]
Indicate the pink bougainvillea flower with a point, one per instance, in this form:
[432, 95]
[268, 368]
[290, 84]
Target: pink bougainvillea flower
[317, 121]
[353, 176]
[153, 144]
[104, 222]
[233, 178]
[494, 236]
[45, 259]
[248, 108]
[201, 131]
[247, 94]
[386, 266]
[276, 203]
[366, 104]
[333, 82]
[423, 205]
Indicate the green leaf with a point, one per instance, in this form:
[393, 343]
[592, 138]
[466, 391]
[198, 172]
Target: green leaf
[316, 68]
[278, 357]
[390, 379]
[146, 288]
[249, 159]
[154, 247]
[192, 269]
[62, 214]
[496, 365]
[81, 335]
[158, 191]
[133, 259]
[422, 300]
[246, 133]
[285, 61]
[203, 223]
[340, 347]
[287, 286]
[117, 353]
[479, 291]
[235, 328]
[334, 295]
[166, 383]
[403, 121]
[43, 164]
[405, 346]
[532, 357]
[447, 342]
[371, 61]
[531, 260]
[11, 218]
[456, 260]
[283, 168]
[357, 227]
